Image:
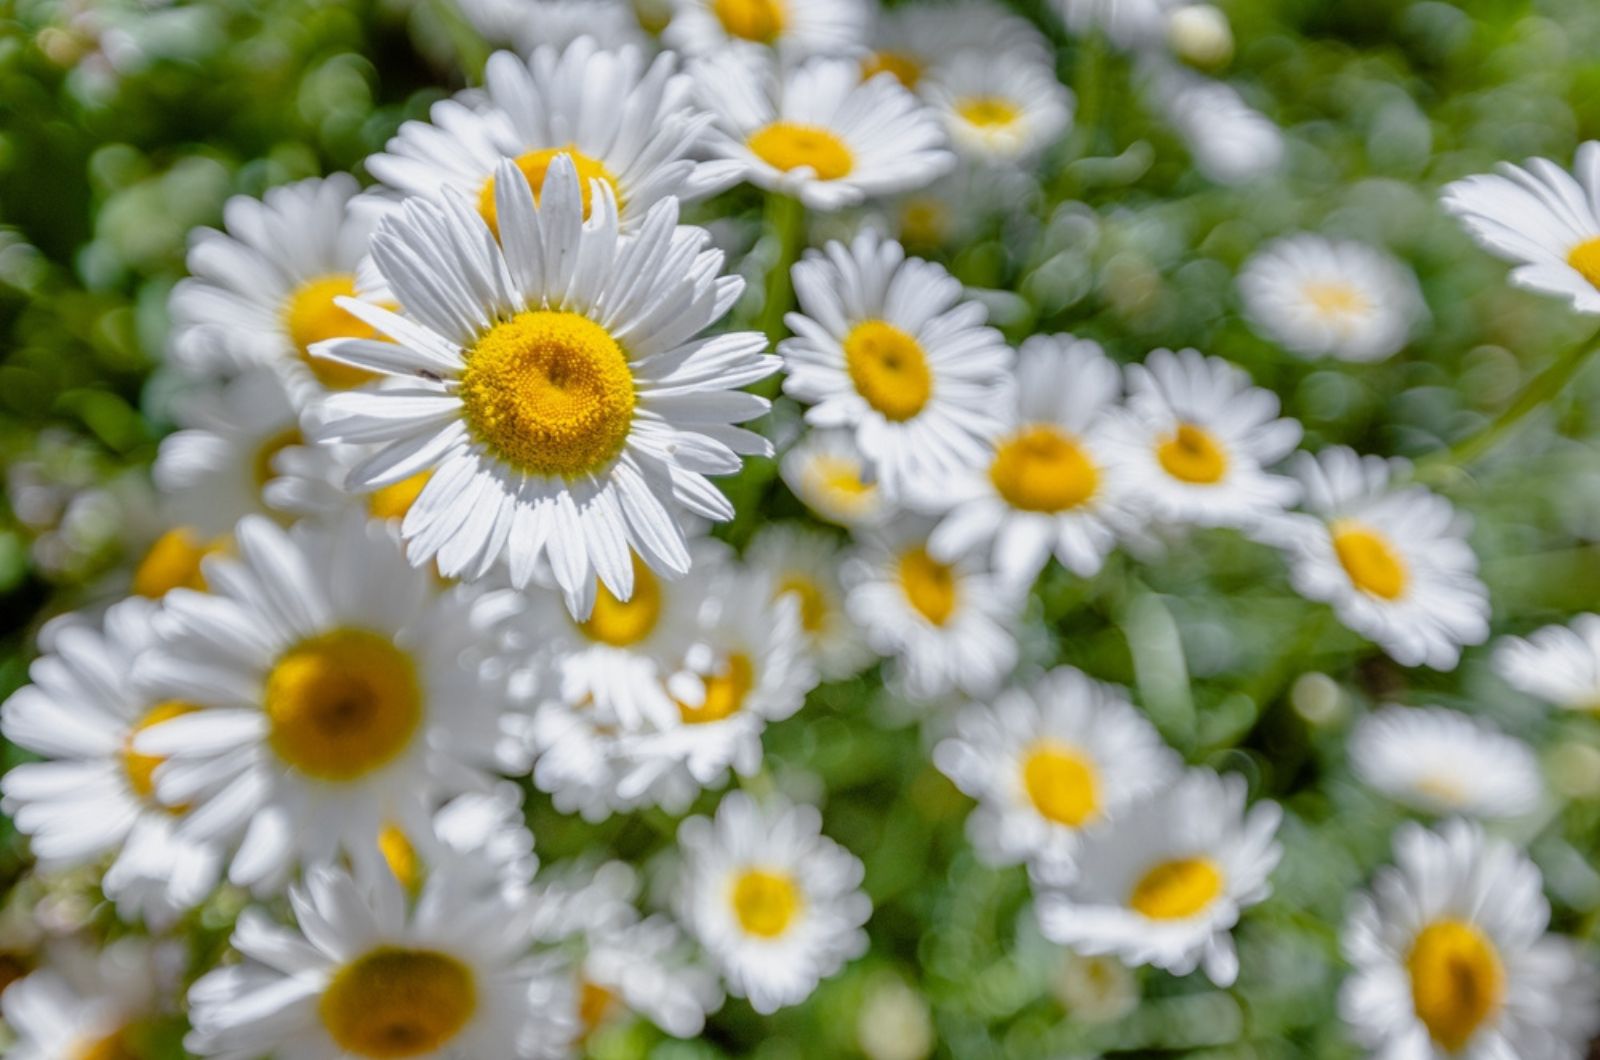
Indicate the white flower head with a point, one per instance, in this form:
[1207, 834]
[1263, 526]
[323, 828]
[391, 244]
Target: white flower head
[527, 25]
[1442, 761]
[1232, 143]
[826, 470]
[794, 29]
[999, 109]
[805, 564]
[913, 41]
[88, 1005]
[1558, 664]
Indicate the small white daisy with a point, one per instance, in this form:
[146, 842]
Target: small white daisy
[1231, 142]
[1048, 760]
[100, 1007]
[1442, 761]
[1164, 881]
[776, 904]
[999, 108]
[1451, 960]
[1127, 23]
[1340, 298]
[309, 484]
[795, 29]
[530, 24]
[912, 41]
[888, 346]
[826, 470]
[486, 829]
[1558, 664]
[805, 564]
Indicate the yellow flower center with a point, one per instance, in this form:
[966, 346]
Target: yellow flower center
[1442, 788]
[1334, 299]
[1043, 470]
[1370, 560]
[837, 483]
[141, 768]
[595, 1005]
[924, 221]
[261, 466]
[621, 623]
[888, 368]
[988, 112]
[765, 902]
[813, 601]
[395, 500]
[1457, 981]
[754, 20]
[1061, 783]
[1192, 454]
[534, 166]
[400, 856]
[395, 1002]
[788, 145]
[173, 562]
[1585, 258]
[550, 393]
[311, 316]
[903, 67]
[342, 704]
[725, 692]
[929, 585]
[1176, 889]
[114, 1046]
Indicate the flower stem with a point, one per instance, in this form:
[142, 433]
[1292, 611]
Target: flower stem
[785, 220]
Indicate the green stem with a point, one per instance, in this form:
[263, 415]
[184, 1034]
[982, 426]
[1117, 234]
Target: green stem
[471, 49]
[785, 220]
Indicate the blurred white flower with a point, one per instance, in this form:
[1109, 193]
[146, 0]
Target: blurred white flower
[997, 108]
[1558, 664]
[794, 29]
[1442, 761]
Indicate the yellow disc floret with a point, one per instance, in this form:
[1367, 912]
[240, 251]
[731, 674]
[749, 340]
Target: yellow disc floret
[1061, 784]
[1457, 981]
[1173, 890]
[765, 901]
[1192, 454]
[1041, 469]
[902, 66]
[1370, 560]
[401, 856]
[789, 145]
[988, 112]
[1334, 299]
[395, 500]
[114, 1046]
[141, 768]
[930, 586]
[261, 466]
[888, 368]
[813, 601]
[395, 1002]
[725, 692]
[173, 562]
[311, 316]
[1585, 258]
[753, 20]
[621, 623]
[534, 166]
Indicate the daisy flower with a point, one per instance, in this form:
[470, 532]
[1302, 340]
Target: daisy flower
[309, 484]
[1542, 218]
[94, 793]
[913, 40]
[1451, 959]
[336, 691]
[1127, 23]
[483, 828]
[1441, 761]
[826, 470]
[1393, 563]
[1164, 881]
[93, 1009]
[775, 903]
[1558, 664]
[557, 388]
[1338, 298]
[1046, 489]
[530, 24]
[1048, 760]
[794, 28]
[1231, 142]
[888, 347]
[805, 564]
[818, 132]
[999, 108]
[1195, 438]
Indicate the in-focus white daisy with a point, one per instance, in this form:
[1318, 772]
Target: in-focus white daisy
[1442, 761]
[826, 470]
[1340, 298]
[912, 41]
[776, 904]
[818, 132]
[94, 794]
[886, 345]
[1164, 881]
[947, 626]
[805, 564]
[1047, 488]
[557, 387]
[1558, 664]
[370, 972]
[1451, 959]
[623, 121]
[1048, 760]
[1231, 142]
[1542, 218]
[101, 1008]
[796, 29]
[1393, 563]
[530, 24]
[1195, 438]
[1000, 108]
[340, 693]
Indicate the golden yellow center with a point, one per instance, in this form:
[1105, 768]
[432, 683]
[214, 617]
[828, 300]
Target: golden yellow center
[114, 1046]
[1457, 981]
[837, 482]
[621, 623]
[924, 221]
[929, 585]
[173, 562]
[725, 691]
[549, 393]
[595, 1005]
[1061, 783]
[988, 112]
[788, 145]
[753, 20]
[261, 466]
[395, 500]
[765, 902]
[141, 768]
[534, 166]
[1192, 454]
[813, 601]
[342, 704]
[903, 67]
[1370, 560]
[396, 1002]
[1335, 299]
[401, 856]
[1043, 470]
[310, 316]
[1585, 258]
[1173, 890]
[888, 368]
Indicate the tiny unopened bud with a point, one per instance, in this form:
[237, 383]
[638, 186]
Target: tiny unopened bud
[1200, 35]
[894, 1023]
[1317, 698]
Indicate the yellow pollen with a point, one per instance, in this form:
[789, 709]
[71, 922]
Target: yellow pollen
[1370, 560]
[725, 692]
[262, 467]
[903, 67]
[754, 20]
[929, 585]
[550, 393]
[888, 368]
[400, 856]
[173, 562]
[1335, 299]
[1442, 788]
[595, 1005]
[1176, 889]
[141, 768]
[394, 501]
[988, 112]
[788, 145]
[1457, 981]
[311, 316]
[534, 166]
[1585, 258]
[621, 623]
[396, 1002]
[1061, 783]
[1043, 470]
[114, 1046]
[813, 602]
[342, 704]
[765, 902]
[1192, 455]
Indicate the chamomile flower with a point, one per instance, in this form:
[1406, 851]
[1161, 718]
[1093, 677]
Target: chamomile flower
[775, 903]
[309, 484]
[1393, 563]
[1046, 489]
[1542, 218]
[1194, 441]
[336, 693]
[481, 828]
[1338, 298]
[370, 972]
[1442, 761]
[818, 132]
[1451, 959]
[805, 564]
[1048, 760]
[1231, 142]
[826, 470]
[886, 345]
[88, 1009]
[94, 793]
[999, 109]
[795, 29]
[557, 389]
[912, 41]
[1558, 664]
[530, 24]
[1127, 23]
[1164, 881]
